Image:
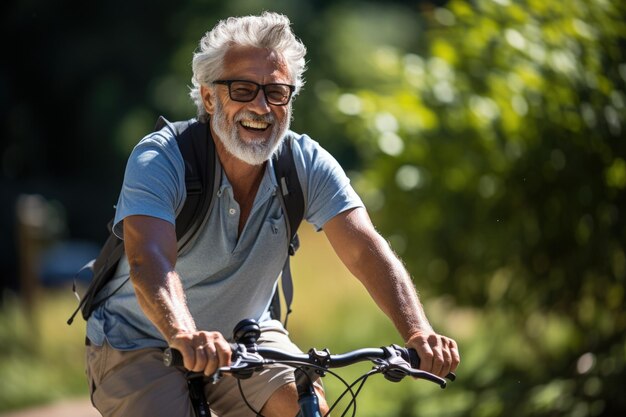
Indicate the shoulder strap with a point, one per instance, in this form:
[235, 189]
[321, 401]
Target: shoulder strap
[202, 177]
[290, 190]
[291, 199]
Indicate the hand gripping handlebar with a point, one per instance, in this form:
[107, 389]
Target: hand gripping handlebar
[394, 362]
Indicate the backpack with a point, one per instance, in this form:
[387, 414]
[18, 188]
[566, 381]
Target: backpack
[198, 150]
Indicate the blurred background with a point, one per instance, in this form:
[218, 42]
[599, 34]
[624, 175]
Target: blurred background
[486, 138]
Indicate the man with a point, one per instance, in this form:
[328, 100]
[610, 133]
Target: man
[246, 72]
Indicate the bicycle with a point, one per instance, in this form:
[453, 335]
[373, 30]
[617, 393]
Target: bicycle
[393, 361]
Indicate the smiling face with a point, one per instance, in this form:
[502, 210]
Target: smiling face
[249, 131]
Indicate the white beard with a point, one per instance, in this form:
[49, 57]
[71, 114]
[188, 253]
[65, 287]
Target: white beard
[254, 153]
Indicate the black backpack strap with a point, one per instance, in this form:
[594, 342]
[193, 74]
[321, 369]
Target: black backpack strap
[202, 178]
[291, 199]
[289, 190]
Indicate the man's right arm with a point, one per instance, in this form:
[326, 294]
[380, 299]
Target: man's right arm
[151, 248]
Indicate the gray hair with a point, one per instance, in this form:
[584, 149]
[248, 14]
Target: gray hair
[270, 30]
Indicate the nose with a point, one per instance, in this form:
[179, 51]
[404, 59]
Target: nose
[259, 104]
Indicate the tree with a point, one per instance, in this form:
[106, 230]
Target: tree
[492, 157]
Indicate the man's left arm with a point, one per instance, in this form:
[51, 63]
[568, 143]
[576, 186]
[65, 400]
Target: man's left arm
[369, 258]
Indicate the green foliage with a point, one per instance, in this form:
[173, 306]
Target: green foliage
[493, 159]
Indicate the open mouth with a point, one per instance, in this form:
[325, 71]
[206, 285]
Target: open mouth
[254, 125]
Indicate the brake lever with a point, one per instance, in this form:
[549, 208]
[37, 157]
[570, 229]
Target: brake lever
[396, 372]
[244, 366]
[396, 368]
[416, 373]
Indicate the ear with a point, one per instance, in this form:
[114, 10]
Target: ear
[208, 98]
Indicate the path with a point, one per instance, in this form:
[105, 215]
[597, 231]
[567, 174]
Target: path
[66, 408]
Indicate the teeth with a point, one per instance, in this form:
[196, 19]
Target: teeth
[254, 124]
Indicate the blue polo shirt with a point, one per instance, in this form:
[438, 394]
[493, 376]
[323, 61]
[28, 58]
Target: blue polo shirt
[226, 277]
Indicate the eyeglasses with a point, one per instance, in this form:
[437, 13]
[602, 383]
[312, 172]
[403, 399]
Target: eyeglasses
[245, 91]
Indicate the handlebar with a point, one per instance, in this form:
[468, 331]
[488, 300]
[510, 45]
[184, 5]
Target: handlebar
[394, 362]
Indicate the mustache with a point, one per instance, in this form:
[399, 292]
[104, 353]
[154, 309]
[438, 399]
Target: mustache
[248, 115]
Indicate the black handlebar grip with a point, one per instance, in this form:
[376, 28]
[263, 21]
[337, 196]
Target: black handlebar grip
[173, 357]
[414, 359]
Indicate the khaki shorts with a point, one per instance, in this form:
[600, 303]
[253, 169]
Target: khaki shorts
[136, 383]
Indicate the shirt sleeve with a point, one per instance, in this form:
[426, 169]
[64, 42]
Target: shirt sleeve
[154, 181]
[326, 186]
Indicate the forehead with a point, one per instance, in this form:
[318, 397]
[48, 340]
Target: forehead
[255, 64]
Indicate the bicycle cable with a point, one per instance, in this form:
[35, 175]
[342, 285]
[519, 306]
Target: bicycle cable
[325, 370]
[349, 387]
[245, 400]
[361, 381]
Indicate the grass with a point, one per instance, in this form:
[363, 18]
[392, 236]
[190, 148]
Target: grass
[43, 359]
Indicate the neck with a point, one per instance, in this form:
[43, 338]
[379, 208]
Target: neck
[244, 178]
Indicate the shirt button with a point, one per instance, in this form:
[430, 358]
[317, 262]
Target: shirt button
[232, 211]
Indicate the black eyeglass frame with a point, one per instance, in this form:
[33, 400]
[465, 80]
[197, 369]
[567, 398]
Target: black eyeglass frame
[228, 83]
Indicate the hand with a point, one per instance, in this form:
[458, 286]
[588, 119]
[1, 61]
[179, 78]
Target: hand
[438, 354]
[202, 351]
